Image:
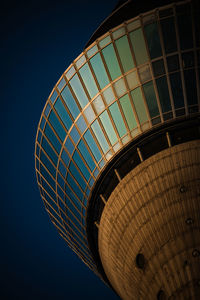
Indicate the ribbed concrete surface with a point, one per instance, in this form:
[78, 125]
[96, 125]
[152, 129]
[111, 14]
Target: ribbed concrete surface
[147, 214]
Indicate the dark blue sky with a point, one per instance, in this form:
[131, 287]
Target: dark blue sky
[39, 40]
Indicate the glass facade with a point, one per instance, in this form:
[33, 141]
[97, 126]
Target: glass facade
[128, 81]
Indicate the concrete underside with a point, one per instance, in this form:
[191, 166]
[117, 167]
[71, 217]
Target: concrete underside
[155, 211]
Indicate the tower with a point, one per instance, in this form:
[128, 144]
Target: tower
[117, 151]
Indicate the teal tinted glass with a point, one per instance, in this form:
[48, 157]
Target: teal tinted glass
[163, 94]
[70, 102]
[65, 157]
[139, 105]
[74, 186]
[177, 90]
[108, 127]
[45, 145]
[47, 177]
[81, 124]
[79, 91]
[92, 145]
[47, 164]
[111, 61]
[46, 187]
[139, 47]
[128, 111]
[99, 70]
[124, 53]
[117, 118]
[75, 135]
[79, 162]
[151, 99]
[63, 113]
[62, 169]
[57, 125]
[168, 30]
[52, 138]
[86, 155]
[69, 145]
[88, 80]
[73, 198]
[74, 171]
[153, 40]
[100, 136]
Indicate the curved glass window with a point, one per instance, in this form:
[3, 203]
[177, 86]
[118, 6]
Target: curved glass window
[70, 102]
[99, 70]
[153, 40]
[111, 61]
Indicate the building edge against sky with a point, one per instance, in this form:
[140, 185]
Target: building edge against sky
[129, 105]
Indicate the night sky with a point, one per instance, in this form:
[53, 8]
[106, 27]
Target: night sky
[39, 40]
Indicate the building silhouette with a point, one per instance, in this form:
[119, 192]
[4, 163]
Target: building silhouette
[117, 151]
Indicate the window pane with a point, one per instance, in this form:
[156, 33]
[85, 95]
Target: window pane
[65, 158]
[139, 105]
[74, 171]
[52, 138]
[117, 118]
[139, 46]
[173, 63]
[188, 59]
[57, 126]
[78, 160]
[109, 95]
[75, 135]
[163, 94]
[185, 31]
[105, 41]
[177, 90]
[151, 99]
[158, 67]
[63, 113]
[120, 87]
[125, 53]
[153, 40]
[132, 80]
[89, 114]
[145, 73]
[47, 164]
[70, 102]
[128, 112]
[99, 70]
[168, 30]
[79, 91]
[92, 145]
[88, 80]
[100, 136]
[98, 104]
[111, 61]
[86, 155]
[108, 127]
[74, 186]
[81, 124]
[69, 145]
[47, 177]
[49, 150]
[190, 84]
[92, 51]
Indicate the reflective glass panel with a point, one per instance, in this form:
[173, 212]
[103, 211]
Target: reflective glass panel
[63, 113]
[88, 80]
[74, 171]
[163, 94]
[168, 30]
[47, 177]
[57, 125]
[133, 25]
[177, 90]
[109, 95]
[78, 160]
[139, 47]
[74, 186]
[190, 84]
[53, 96]
[151, 99]
[92, 51]
[62, 169]
[71, 195]
[117, 118]
[100, 136]
[105, 41]
[80, 61]
[132, 80]
[120, 87]
[173, 63]
[119, 32]
[65, 158]
[108, 127]
[128, 112]
[89, 114]
[45, 145]
[92, 145]
[98, 104]
[139, 105]
[79, 91]
[125, 53]
[111, 61]
[61, 84]
[158, 67]
[69, 145]
[185, 31]
[145, 73]
[99, 70]
[86, 155]
[153, 40]
[70, 102]
[75, 135]
[47, 109]
[47, 164]
[81, 124]
[52, 138]
[188, 59]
